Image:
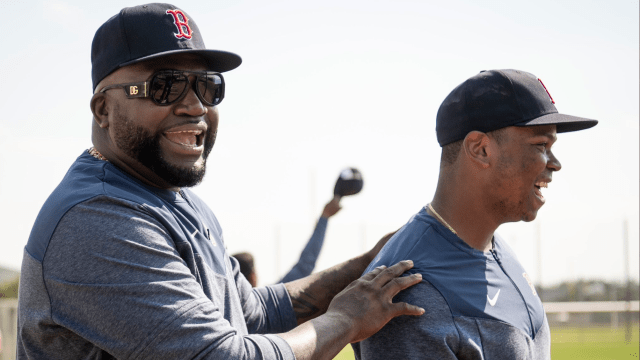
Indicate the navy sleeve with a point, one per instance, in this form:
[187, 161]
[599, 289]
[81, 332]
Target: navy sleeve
[309, 255]
[266, 310]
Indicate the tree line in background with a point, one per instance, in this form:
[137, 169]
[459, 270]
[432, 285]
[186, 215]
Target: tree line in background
[9, 289]
[589, 290]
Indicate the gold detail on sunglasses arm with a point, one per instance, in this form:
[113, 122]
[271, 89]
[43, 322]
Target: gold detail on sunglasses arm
[134, 90]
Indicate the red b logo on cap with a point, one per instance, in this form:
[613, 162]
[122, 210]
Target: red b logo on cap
[182, 22]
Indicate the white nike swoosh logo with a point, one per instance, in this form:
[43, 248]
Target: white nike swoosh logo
[493, 301]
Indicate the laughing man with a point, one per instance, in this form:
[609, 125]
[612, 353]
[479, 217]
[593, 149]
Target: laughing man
[496, 131]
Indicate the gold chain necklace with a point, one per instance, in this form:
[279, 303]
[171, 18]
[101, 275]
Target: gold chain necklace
[96, 154]
[441, 219]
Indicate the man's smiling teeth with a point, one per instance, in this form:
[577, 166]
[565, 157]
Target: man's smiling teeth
[542, 184]
[186, 137]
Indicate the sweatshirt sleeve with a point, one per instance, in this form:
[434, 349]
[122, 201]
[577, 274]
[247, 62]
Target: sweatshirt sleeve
[266, 310]
[115, 279]
[309, 255]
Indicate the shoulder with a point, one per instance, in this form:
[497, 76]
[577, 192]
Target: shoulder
[409, 337]
[412, 242]
[104, 221]
[103, 236]
[427, 296]
[103, 215]
[87, 178]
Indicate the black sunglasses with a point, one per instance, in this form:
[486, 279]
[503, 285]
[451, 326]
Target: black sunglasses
[169, 86]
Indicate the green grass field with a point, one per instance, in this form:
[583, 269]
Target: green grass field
[573, 343]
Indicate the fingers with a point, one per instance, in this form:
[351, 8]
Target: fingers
[368, 301]
[373, 273]
[392, 272]
[403, 308]
[396, 285]
[389, 280]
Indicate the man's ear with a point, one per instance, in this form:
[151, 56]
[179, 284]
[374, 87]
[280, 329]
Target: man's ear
[476, 148]
[99, 110]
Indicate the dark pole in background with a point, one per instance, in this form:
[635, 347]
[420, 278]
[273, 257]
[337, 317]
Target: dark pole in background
[627, 277]
[539, 259]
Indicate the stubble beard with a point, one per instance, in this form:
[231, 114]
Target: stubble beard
[144, 146]
[515, 205]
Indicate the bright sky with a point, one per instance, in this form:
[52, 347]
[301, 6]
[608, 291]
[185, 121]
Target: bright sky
[334, 83]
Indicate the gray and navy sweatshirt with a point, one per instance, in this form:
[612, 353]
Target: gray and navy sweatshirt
[479, 305]
[115, 269]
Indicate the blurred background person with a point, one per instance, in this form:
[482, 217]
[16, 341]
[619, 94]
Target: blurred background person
[349, 183]
[308, 257]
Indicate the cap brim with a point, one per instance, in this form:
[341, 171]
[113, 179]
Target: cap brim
[217, 60]
[564, 123]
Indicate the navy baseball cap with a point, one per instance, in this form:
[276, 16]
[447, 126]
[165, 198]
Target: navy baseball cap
[150, 31]
[349, 182]
[496, 99]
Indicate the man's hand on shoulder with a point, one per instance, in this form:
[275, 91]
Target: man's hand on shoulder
[355, 313]
[367, 302]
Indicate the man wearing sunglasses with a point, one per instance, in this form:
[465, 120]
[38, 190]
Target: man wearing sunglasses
[125, 262]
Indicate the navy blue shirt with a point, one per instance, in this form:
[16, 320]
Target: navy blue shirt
[118, 269]
[477, 303]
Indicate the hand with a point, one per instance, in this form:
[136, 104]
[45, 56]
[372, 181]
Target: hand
[332, 207]
[366, 303]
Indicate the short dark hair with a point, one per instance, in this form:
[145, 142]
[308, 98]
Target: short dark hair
[246, 263]
[450, 151]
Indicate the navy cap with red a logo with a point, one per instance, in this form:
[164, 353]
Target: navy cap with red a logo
[149, 31]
